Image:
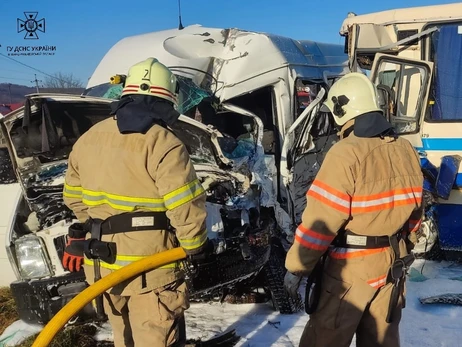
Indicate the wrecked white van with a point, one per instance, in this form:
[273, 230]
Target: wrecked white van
[414, 58]
[251, 123]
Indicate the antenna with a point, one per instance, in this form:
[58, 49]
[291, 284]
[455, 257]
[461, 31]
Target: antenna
[180, 25]
[36, 83]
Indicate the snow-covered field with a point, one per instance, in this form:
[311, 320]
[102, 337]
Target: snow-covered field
[258, 325]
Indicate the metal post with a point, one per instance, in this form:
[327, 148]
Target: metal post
[36, 83]
[9, 90]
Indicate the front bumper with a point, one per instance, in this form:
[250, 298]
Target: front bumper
[38, 301]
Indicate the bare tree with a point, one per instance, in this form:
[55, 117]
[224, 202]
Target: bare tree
[62, 80]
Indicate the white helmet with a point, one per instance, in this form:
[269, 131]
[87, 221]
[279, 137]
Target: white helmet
[151, 77]
[351, 96]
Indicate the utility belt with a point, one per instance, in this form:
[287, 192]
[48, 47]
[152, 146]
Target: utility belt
[347, 239]
[133, 221]
[94, 248]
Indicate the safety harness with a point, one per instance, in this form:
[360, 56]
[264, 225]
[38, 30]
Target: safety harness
[98, 250]
[122, 223]
[348, 239]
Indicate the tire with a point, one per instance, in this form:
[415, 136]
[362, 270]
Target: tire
[274, 272]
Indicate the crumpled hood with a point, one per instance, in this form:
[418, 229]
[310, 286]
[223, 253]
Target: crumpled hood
[54, 123]
[65, 118]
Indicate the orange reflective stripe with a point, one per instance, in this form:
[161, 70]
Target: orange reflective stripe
[387, 200]
[414, 225]
[330, 196]
[378, 282]
[348, 253]
[312, 239]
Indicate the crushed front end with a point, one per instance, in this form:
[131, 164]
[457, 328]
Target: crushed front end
[244, 230]
[37, 238]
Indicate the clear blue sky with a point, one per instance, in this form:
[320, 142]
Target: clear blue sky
[83, 30]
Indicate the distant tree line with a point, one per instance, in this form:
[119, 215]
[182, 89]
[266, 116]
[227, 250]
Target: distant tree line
[62, 80]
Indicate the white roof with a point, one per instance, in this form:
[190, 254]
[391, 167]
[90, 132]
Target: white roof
[231, 56]
[423, 14]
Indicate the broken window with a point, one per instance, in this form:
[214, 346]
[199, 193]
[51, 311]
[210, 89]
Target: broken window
[305, 93]
[53, 127]
[190, 94]
[405, 86]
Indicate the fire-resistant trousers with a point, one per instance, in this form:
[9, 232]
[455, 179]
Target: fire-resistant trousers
[355, 300]
[154, 319]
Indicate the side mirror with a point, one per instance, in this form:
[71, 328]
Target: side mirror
[385, 100]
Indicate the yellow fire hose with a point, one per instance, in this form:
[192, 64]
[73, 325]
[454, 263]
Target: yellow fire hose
[99, 287]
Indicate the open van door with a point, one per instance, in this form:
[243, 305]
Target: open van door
[403, 86]
[305, 145]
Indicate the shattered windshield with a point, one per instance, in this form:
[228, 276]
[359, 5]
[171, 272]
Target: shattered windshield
[197, 103]
[190, 94]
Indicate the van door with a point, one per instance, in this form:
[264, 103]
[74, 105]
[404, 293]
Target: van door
[305, 145]
[403, 86]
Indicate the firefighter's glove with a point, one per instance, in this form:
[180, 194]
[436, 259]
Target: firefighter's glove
[73, 253]
[291, 284]
[204, 255]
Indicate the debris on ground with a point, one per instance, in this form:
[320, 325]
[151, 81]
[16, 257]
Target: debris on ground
[448, 299]
[8, 313]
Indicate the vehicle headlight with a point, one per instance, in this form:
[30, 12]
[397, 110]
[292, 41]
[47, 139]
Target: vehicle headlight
[33, 261]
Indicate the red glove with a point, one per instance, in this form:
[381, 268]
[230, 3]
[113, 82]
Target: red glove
[73, 253]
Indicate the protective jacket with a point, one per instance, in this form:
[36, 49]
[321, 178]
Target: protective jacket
[110, 173]
[366, 187]
[369, 186]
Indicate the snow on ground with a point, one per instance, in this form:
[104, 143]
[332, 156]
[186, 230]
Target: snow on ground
[259, 326]
[421, 325]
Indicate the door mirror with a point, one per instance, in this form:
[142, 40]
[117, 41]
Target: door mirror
[385, 100]
[407, 83]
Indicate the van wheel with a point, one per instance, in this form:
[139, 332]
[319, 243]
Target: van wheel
[274, 272]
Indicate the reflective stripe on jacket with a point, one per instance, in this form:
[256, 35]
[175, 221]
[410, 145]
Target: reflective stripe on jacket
[370, 186]
[110, 173]
[124, 260]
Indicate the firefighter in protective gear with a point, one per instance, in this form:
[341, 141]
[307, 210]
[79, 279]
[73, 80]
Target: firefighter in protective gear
[363, 211]
[131, 181]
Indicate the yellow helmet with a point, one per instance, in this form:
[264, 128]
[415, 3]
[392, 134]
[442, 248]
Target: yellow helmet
[351, 96]
[151, 77]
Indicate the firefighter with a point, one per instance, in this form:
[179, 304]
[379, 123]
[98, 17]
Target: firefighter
[131, 184]
[358, 228]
